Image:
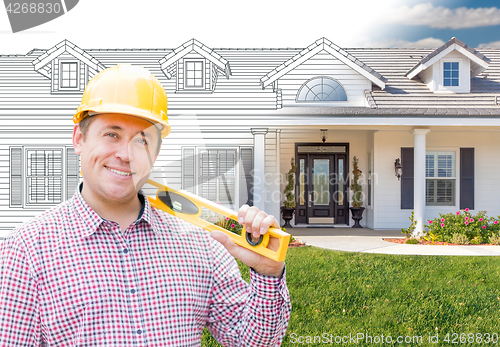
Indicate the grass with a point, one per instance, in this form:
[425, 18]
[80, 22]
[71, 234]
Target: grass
[342, 293]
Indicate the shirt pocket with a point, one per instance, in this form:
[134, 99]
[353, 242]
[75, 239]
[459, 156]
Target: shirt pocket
[77, 315]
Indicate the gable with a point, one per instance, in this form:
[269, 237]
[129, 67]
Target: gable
[325, 46]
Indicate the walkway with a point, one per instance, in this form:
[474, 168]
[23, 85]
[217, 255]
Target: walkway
[371, 241]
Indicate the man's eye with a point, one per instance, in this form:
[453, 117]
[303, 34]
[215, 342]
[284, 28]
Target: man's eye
[111, 135]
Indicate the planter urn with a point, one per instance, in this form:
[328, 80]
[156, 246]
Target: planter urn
[357, 215]
[287, 215]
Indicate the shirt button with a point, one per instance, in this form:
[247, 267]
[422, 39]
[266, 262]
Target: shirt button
[125, 250]
[139, 331]
[132, 291]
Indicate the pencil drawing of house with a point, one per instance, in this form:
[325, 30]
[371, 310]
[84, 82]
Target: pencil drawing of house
[239, 115]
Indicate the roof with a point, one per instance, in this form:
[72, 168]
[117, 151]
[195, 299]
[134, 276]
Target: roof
[453, 44]
[25, 91]
[167, 63]
[315, 48]
[41, 63]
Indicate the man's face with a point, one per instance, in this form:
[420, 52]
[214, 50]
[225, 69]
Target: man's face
[116, 155]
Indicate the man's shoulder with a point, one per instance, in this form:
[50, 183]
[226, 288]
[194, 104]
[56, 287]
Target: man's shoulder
[48, 221]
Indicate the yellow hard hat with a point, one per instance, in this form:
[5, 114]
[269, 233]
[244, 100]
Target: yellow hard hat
[126, 89]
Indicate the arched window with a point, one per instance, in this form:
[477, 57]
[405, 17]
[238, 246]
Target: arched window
[320, 89]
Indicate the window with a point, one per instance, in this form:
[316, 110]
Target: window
[41, 176]
[218, 175]
[440, 175]
[69, 75]
[321, 89]
[44, 176]
[450, 74]
[194, 74]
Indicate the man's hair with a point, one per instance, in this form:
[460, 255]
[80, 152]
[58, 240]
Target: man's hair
[84, 125]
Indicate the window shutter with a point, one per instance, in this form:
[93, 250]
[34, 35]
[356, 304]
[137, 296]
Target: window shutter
[407, 178]
[246, 176]
[467, 178]
[16, 176]
[72, 171]
[188, 169]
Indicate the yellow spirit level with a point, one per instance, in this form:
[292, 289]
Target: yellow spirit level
[188, 207]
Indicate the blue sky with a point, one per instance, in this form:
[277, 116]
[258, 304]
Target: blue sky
[263, 24]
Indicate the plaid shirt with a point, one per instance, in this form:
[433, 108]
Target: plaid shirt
[72, 278]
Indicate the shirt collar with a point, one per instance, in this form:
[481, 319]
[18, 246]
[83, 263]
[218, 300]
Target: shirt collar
[92, 220]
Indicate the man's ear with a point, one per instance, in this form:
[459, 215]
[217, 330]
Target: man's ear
[77, 139]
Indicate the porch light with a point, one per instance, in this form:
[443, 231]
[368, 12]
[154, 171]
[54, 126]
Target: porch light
[398, 168]
[324, 135]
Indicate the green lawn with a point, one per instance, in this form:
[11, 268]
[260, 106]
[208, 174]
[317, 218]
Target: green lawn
[340, 293]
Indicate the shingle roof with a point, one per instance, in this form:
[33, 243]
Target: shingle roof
[314, 48]
[24, 90]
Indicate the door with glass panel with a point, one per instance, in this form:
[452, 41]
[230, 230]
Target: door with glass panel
[320, 207]
[321, 189]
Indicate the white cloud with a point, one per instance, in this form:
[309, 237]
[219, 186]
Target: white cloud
[495, 44]
[429, 42]
[445, 18]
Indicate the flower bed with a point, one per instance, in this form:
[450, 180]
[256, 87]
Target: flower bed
[460, 228]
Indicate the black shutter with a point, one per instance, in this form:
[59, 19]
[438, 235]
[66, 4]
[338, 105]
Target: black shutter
[246, 176]
[188, 169]
[16, 176]
[467, 178]
[407, 178]
[72, 171]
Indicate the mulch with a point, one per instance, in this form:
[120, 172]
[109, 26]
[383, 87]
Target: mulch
[296, 243]
[423, 242]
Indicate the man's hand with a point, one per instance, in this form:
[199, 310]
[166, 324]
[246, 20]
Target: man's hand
[256, 222]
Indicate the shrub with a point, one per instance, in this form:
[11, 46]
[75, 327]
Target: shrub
[412, 241]
[409, 231]
[495, 239]
[460, 239]
[476, 228]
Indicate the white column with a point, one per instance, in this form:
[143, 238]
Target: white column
[259, 146]
[419, 148]
[274, 209]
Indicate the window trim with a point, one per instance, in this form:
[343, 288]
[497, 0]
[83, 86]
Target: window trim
[456, 178]
[320, 102]
[66, 61]
[203, 71]
[461, 85]
[24, 167]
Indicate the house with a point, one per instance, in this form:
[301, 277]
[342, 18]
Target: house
[239, 116]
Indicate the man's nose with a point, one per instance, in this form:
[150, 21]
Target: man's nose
[123, 151]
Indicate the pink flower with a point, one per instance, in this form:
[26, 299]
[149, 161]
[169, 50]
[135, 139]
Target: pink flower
[466, 218]
[484, 226]
[467, 209]
[472, 220]
[213, 219]
[442, 225]
[233, 225]
[430, 222]
[458, 212]
[480, 219]
[442, 220]
[495, 222]
[466, 223]
[227, 218]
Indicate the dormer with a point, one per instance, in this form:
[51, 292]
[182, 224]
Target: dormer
[195, 67]
[450, 68]
[68, 67]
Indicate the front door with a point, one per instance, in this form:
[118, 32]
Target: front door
[322, 187]
[320, 191]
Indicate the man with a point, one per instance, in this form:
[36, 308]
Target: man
[105, 268]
